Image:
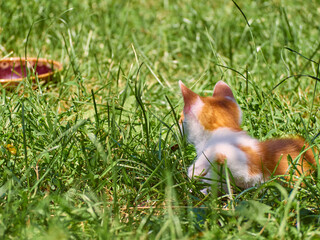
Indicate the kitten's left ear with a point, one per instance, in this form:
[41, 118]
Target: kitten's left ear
[221, 89]
[189, 97]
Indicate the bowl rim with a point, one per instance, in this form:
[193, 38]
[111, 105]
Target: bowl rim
[57, 68]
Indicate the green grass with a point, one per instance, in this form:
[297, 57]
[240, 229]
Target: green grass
[88, 156]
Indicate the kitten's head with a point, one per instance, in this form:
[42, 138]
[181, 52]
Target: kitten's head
[202, 115]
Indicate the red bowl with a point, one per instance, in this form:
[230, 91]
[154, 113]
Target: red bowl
[14, 70]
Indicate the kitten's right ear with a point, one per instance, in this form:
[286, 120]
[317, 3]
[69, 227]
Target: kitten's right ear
[221, 89]
[189, 97]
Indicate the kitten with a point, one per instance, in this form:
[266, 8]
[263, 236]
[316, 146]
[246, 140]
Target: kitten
[212, 125]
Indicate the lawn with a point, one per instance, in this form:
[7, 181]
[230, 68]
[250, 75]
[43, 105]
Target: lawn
[97, 152]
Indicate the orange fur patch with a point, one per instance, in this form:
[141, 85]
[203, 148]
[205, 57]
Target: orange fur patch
[273, 150]
[273, 157]
[218, 112]
[220, 158]
[181, 118]
[255, 160]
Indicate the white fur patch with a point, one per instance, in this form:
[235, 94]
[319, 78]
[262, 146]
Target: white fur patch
[197, 106]
[223, 141]
[196, 134]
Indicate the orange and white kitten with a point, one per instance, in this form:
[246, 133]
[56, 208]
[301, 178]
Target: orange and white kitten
[212, 124]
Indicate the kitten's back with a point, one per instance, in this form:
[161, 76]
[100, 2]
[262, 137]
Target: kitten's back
[271, 157]
[275, 149]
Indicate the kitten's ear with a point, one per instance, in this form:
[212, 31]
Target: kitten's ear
[221, 89]
[189, 97]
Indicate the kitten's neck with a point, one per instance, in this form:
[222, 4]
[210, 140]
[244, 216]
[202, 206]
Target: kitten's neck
[202, 142]
[219, 135]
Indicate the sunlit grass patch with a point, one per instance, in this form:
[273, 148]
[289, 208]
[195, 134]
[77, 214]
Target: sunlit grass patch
[91, 154]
